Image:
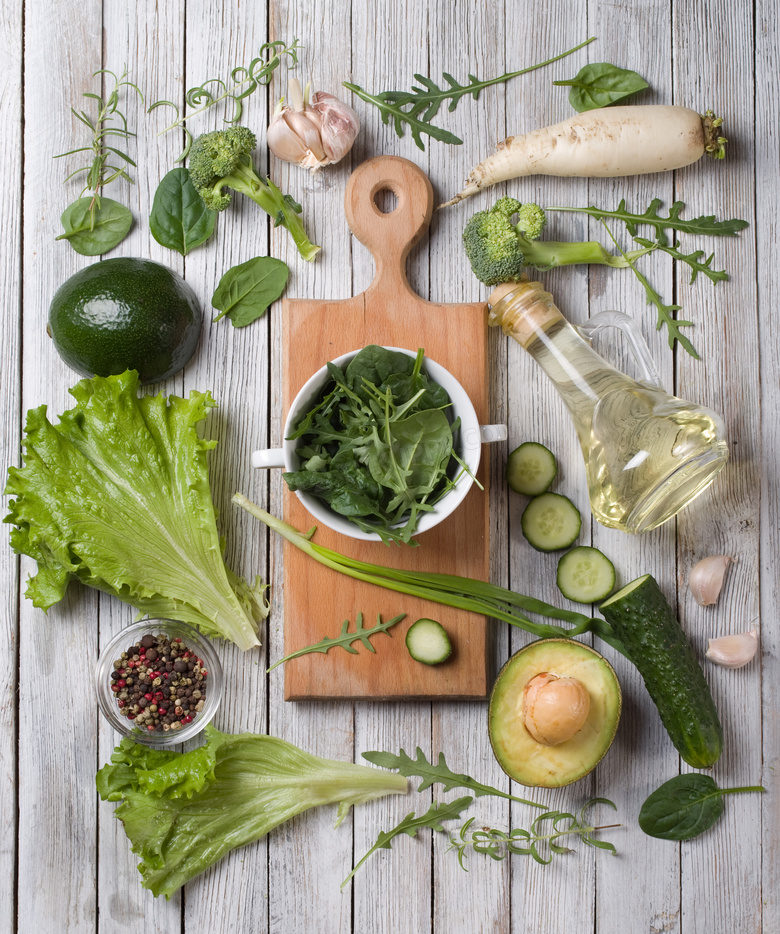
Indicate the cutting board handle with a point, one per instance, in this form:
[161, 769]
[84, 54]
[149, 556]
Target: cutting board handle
[389, 236]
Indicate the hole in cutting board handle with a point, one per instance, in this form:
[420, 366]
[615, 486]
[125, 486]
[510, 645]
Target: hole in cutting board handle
[386, 200]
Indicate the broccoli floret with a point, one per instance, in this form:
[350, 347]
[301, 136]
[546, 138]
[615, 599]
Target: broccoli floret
[222, 160]
[499, 250]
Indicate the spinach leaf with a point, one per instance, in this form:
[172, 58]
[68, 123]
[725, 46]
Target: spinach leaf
[601, 84]
[413, 457]
[179, 219]
[93, 236]
[376, 365]
[245, 291]
[685, 806]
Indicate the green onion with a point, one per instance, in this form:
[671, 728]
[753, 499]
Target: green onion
[463, 593]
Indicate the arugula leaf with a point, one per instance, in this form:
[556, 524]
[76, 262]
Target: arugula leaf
[179, 219]
[438, 774]
[95, 229]
[432, 818]
[706, 224]
[416, 108]
[182, 812]
[246, 291]
[601, 84]
[691, 259]
[346, 638]
[685, 806]
[116, 495]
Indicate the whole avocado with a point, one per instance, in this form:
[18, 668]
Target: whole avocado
[125, 314]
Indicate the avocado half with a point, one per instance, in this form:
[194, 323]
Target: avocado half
[518, 753]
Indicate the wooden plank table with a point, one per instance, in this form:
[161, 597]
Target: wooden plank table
[65, 863]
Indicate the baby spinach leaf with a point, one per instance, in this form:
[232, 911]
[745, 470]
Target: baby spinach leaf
[601, 84]
[245, 291]
[179, 219]
[94, 236]
[685, 806]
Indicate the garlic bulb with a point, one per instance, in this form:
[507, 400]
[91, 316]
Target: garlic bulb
[733, 651]
[705, 581]
[312, 133]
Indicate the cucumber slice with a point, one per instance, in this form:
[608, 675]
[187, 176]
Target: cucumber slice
[585, 575]
[531, 468]
[428, 642]
[551, 522]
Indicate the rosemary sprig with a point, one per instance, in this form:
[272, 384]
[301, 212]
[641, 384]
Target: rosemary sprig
[346, 638]
[416, 108]
[244, 80]
[539, 842]
[438, 774]
[432, 818]
[110, 121]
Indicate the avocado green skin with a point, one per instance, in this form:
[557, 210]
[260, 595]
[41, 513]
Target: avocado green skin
[646, 625]
[125, 314]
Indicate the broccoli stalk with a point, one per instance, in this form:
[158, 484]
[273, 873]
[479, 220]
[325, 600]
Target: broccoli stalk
[499, 250]
[221, 160]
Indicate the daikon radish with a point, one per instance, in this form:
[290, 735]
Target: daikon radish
[611, 141]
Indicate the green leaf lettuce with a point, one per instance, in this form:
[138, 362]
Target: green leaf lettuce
[184, 811]
[117, 496]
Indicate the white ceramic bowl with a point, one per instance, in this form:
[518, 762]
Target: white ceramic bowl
[472, 436]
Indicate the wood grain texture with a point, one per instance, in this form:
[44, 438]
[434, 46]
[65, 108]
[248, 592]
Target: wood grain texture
[65, 862]
[390, 314]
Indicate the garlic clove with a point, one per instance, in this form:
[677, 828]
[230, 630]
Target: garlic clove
[340, 124]
[705, 581]
[733, 651]
[282, 142]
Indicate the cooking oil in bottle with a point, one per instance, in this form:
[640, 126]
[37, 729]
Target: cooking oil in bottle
[647, 453]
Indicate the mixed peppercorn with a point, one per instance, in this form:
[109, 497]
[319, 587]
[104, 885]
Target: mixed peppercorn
[159, 683]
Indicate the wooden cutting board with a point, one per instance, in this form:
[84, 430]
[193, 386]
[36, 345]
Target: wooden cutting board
[316, 599]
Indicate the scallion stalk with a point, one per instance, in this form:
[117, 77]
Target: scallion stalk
[462, 593]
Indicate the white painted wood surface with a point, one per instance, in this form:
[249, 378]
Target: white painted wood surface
[65, 863]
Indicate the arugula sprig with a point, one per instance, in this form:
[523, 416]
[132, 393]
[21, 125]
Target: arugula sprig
[439, 773]
[433, 818]
[698, 261]
[539, 842]
[704, 225]
[346, 638]
[416, 109]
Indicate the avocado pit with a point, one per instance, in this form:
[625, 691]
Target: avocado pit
[554, 709]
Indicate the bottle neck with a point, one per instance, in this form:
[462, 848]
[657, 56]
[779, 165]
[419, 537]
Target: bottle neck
[529, 315]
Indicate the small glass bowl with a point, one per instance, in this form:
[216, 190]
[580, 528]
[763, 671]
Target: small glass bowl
[130, 636]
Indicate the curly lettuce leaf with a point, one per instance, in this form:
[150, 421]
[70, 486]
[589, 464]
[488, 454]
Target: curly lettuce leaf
[117, 495]
[184, 811]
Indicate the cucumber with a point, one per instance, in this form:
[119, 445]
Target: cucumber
[653, 638]
[551, 522]
[531, 468]
[428, 642]
[585, 575]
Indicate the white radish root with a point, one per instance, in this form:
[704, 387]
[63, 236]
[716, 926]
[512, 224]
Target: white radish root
[608, 142]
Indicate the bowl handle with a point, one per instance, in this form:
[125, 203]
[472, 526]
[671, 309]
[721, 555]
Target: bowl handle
[490, 433]
[269, 457]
